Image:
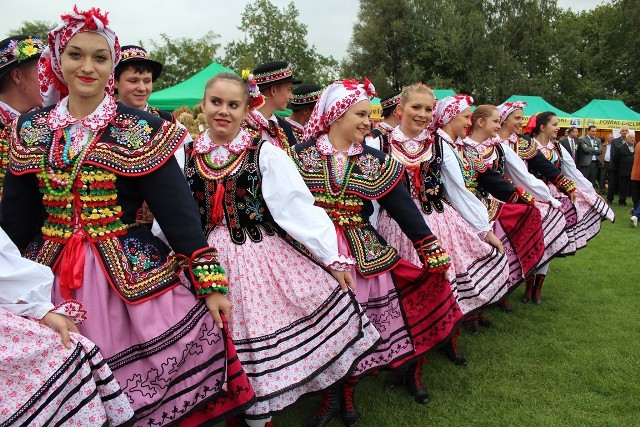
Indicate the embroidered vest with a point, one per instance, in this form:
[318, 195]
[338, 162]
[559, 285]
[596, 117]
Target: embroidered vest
[245, 210]
[525, 147]
[554, 156]
[472, 164]
[370, 175]
[135, 143]
[430, 192]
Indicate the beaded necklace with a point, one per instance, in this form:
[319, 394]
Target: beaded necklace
[336, 196]
[58, 156]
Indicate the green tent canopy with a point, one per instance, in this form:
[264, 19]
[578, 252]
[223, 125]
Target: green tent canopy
[537, 104]
[443, 93]
[188, 92]
[608, 114]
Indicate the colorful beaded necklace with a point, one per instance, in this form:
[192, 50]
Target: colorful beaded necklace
[331, 177]
[58, 157]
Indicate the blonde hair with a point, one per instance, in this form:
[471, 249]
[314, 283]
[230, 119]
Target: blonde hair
[224, 75]
[420, 87]
[483, 111]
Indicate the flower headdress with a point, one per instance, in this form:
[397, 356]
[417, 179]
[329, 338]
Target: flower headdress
[447, 109]
[335, 100]
[256, 99]
[507, 108]
[52, 84]
[22, 50]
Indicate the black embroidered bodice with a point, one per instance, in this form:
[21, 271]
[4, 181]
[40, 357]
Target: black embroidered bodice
[245, 211]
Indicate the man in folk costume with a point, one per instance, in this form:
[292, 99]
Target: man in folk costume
[304, 99]
[389, 117]
[19, 91]
[134, 77]
[275, 80]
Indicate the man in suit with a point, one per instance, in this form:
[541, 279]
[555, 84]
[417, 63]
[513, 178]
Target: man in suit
[613, 168]
[604, 161]
[570, 142]
[589, 148]
[623, 157]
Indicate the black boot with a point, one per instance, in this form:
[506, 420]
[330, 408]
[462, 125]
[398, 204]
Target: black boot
[329, 409]
[413, 379]
[348, 411]
[526, 297]
[505, 305]
[537, 289]
[450, 349]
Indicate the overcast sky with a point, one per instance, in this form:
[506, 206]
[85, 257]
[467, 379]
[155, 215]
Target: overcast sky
[329, 22]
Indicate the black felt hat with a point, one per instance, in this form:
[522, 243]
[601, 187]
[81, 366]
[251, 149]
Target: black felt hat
[17, 50]
[274, 72]
[389, 101]
[305, 95]
[132, 54]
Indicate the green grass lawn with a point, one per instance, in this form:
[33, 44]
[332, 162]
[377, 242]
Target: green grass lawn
[572, 361]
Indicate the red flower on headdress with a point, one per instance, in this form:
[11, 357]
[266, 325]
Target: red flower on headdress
[350, 84]
[369, 88]
[90, 16]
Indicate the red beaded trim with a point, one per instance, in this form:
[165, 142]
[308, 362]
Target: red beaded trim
[306, 98]
[394, 100]
[272, 76]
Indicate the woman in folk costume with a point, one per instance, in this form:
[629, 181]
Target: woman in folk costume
[413, 307]
[479, 267]
[516, 222]
[87, 163]
[296, 329]
[47, 380]
[590, 208]
[501, 158]
[561, 187]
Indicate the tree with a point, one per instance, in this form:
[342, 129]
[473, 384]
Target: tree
[39, 29]
[182, 57]
[382, 36]
[274, 34]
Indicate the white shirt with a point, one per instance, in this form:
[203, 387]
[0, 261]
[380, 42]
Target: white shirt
[25, 285]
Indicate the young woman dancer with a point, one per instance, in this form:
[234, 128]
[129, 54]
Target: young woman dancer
[87, 163]
[517, 222]
[590, 208]
[296, 331]
[479, 266]
[484, 138]
[511, 114]
[414, 308]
